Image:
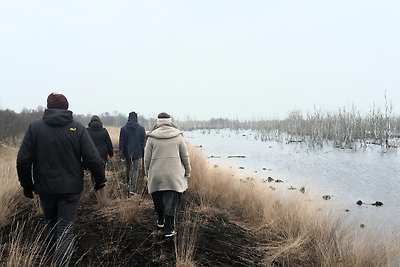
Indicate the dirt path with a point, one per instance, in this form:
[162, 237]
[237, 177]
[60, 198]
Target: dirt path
[105, 241]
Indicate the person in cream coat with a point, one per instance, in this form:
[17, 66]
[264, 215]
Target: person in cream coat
[167, 167]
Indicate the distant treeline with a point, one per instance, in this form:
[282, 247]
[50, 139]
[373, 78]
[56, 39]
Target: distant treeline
[13, 124]
[346, 128]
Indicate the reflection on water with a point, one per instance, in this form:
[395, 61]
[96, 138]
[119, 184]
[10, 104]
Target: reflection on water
[347, 176]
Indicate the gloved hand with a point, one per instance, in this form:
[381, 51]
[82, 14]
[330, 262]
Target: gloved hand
[28, 193]
[99, 186]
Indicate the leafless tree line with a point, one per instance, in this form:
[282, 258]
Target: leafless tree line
[346, 128]
[12, 124]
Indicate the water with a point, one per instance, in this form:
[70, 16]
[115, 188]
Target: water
[347, 176]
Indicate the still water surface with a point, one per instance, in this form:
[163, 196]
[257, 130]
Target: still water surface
[368, 175]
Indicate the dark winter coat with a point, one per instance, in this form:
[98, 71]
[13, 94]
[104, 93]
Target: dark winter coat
[101, 139]
[54, 150]
[132, 140]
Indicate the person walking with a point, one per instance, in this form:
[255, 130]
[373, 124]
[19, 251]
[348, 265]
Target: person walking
[131, 148]
[101, 138]
[49, 163]
[167, 166]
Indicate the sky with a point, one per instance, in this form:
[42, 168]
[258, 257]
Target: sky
[200, 59]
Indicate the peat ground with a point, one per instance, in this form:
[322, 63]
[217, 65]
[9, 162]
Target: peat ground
[105, 241]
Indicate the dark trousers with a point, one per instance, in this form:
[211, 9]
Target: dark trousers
[60, 213]
[167, 204]
[132, 173]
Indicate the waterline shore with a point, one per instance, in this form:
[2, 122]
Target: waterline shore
[346, 176]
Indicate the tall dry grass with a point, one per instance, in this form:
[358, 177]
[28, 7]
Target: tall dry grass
[294, 231]
[11, 197]
[24, 247]
[27, 244]
[185, 244]
[114, 135]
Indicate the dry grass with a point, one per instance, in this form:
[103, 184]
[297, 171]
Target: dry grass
[11, 197]
[185, 244]
[126, 210]
[114, 135]
[25, 245]
[218, 187]
[113, 198]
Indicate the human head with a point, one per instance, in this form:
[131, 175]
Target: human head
[164, 117]
[95, 118]
[58, 101]
[133, 116]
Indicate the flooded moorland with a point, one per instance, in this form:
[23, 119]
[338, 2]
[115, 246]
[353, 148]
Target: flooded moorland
[335, 178]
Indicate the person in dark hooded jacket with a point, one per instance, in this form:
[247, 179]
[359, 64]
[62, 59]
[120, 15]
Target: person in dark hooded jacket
[131, 149]
[101, 138]
[49, 163]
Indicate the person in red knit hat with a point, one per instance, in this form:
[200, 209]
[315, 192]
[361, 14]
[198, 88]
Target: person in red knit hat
[49, 163]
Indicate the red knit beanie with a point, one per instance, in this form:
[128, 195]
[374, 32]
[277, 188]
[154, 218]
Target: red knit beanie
[55, 100]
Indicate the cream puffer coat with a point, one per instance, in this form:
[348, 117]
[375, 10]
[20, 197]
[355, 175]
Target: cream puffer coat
[166, 159]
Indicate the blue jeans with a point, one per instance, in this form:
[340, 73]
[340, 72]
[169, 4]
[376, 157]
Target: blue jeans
[60, 213]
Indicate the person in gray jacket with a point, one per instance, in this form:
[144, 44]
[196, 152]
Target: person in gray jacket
[167, 166]
[50, 163]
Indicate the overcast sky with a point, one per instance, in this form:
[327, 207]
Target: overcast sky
[200, 59]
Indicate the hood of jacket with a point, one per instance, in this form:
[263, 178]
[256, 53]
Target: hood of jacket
[132, 124]
[165, 131]
[57, 117]
[95, 124]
